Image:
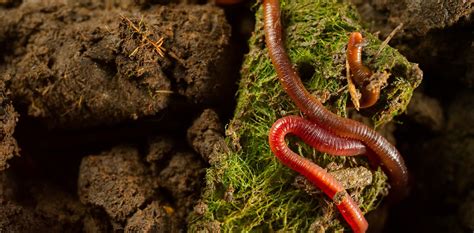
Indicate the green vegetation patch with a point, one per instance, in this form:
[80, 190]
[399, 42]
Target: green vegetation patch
[248, 189]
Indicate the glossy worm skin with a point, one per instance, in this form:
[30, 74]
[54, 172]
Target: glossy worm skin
[383, 151]
[315, 136]
[360, 73]
[323, 141]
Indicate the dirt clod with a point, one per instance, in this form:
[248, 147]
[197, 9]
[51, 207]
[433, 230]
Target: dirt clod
[116, 180]
[15, 218]
[81, 67]
[183, 178]
[8, 119]
[37, 207]
[418, 17]
[206, 136]
[151, 219]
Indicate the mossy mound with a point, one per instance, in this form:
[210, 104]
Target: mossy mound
[248, 189]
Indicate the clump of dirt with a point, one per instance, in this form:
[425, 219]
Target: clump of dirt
[206, 136]
[33, 207]
[182, 178]
[156, 194]
[15, 218]
[8, 119]
[75, 71]
[76, 67]
[153, 218]
[116, 181]
[418, 17]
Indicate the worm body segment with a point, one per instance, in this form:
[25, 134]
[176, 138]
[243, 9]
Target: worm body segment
[326, 142]
[385, 153]
[315, 136]
[332, 127]
[360, 73]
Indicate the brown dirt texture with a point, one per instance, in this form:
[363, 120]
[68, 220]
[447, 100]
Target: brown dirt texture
[77, 67]
[8, 117]
[77, 72]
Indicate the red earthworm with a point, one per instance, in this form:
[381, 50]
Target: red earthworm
[313, 135]
[326, 142]
[378, 147]
[383, 151]
[360, 73]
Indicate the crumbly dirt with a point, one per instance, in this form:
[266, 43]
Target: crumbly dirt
[8, 120]
[76, 67]
[153, 218]
[182, 178]
[116, 181]
[105, 106]
[417, 17]
[138, 195]
[37, 207]
[206, 136]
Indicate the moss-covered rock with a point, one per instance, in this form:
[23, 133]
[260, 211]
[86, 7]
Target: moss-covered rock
[248, 189]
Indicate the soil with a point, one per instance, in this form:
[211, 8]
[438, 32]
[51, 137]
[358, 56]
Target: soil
[8, 119]
[106, 93]
[80, 67]
[115, 129]
[436, 137]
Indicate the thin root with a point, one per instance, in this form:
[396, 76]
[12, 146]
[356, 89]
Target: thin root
[389, 37]
[158, 45]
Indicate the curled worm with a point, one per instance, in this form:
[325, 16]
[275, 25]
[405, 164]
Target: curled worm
[323, 141]
[360, 73]
[385, 152]
[379, 150]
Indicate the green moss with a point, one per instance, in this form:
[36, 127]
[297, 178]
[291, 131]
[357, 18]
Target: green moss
[262, 195]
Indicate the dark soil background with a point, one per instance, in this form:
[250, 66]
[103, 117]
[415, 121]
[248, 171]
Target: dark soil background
[101, 133]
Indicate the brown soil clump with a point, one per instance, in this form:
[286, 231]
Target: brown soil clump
[116, 181]
[8, 119]
[136, 195]
[206, 136]
[153, 218]
[418, 17]
[76, 67]
[34, 207]
[107, 91]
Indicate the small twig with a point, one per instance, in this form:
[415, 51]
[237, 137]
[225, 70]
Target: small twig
[389, 37]
[355, 95]
[156, 44]
[164, 92]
